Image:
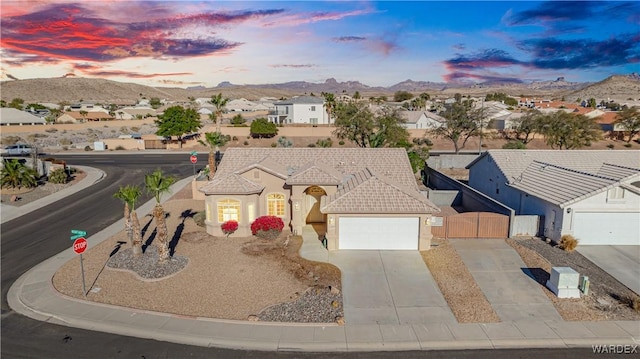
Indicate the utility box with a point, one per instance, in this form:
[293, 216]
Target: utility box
[564, 282]
[99, 146]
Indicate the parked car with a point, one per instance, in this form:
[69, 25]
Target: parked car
[16, 150]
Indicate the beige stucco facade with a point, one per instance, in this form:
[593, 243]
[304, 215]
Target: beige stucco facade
[312, 193]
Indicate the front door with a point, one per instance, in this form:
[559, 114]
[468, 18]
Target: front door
[314, 194]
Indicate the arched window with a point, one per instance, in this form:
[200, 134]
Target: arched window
[228, 209]
[275, 204]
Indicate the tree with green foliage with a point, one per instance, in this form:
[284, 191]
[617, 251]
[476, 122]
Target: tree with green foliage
[157, 184]
[3, 103]
[418, 104]
[35, 106]
[238, 120]
[219, 102]
[178, 121]
[514, 145]
[592, 103]
[155, 103]
[461, 121]
[565, 130]
[501, 97]
[400, 96]
[15, 174]
[523, 128]
[213, 141]
[356, 95]
[84, 114]
[262, 128]
[130, 195]
[16, 103]
[356, 122]
[418, 157]
[425, 96]
[629, 120]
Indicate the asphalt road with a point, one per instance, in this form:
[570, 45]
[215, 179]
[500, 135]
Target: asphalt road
[30, 239]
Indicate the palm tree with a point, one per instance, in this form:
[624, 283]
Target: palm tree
[158, 184]
[130, 195]
[213, 140]
[329, 103]
[219, 103]
[17, 174]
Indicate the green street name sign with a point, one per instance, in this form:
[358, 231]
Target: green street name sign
[76, 233]
[194, 153]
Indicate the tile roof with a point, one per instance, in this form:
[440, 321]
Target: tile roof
[10, 115]
[562, 186]
[513, 162]
[301, 100]
[366, 192]
[231, 184]
[370, 180]
[393, 163]
[317, 173]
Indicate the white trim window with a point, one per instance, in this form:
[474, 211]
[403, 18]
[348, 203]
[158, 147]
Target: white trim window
[275, 204]
[228, 209]
[615, 194]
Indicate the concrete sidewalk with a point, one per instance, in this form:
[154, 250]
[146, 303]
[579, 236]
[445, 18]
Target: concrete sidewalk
[34, 296]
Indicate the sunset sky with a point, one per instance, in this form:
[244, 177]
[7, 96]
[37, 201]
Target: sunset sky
[185, 43]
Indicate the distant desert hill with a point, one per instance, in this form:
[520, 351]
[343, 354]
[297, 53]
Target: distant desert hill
[619, 88]
[73, 89]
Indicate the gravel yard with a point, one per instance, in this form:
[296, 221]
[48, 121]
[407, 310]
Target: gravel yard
[608, 299]
[43, 189]
[227, 278]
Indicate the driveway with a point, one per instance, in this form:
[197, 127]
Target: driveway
[502, 276]
[389, 287]
[382, 287]
[621, 262]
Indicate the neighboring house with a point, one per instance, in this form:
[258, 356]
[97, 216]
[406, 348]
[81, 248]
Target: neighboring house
[76, 117]
[14, 117]
[507, 122]
[133, 112]
[366, 197]
[417, 120]
[300, 110]
[592, 195]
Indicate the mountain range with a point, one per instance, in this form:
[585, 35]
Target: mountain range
[73, 89]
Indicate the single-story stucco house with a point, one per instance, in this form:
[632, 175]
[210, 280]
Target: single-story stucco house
[590, 194]
[367, 198]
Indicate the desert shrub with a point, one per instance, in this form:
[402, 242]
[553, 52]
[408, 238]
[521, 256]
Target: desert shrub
[341, 143]
[51, 130]
[273, 144]
[311, 145]
[124, 130]
[119, 148]
[65, 148]
[229, 227]
[199, 218]
[246, 143]
[568, 243]
[262, 128]
[59, 176]
[610, 146]
[238, 120]
[65, 141]
[136, 129]
[88, 148]
[267, 227]
[324, 143]
[235, 138]
[11, 140]
[514, 145]
[627, 145]
[285, 142]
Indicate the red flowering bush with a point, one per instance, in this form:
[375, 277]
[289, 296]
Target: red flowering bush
[229, 227]
[268, 227]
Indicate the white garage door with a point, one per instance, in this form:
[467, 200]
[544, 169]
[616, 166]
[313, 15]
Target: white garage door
[378, 233]
[607, 228]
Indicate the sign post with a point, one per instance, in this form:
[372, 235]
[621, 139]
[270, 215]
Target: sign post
[79, 246]
[194, 160]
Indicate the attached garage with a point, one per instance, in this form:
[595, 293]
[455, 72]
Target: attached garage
[619, 228]
[379, 233]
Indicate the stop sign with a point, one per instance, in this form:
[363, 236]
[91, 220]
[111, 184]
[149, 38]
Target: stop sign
[194, 159]
[79, 245]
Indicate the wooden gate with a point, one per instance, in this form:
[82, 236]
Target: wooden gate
[471, 225]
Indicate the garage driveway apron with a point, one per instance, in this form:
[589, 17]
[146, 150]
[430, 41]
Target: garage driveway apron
[502, 276]
[389, 287]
